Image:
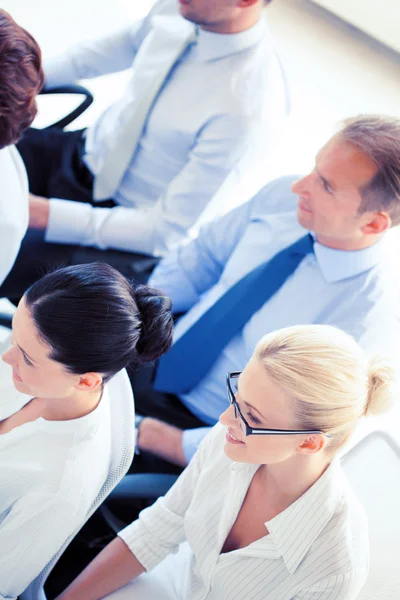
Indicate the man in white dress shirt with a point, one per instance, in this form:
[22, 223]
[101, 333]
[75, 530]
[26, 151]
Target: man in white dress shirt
[347, 279]
[206, 101]
[21, 80]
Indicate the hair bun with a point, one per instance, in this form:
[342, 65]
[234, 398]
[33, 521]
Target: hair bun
[157, 322]
[381, 379]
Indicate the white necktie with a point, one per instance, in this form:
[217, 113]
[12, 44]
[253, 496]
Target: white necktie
[122, 146]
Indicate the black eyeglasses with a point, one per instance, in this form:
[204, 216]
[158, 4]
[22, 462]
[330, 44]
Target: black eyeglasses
[231, 378]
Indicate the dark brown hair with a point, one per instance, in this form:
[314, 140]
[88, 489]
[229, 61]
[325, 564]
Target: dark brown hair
[21, 79]
[378, 137]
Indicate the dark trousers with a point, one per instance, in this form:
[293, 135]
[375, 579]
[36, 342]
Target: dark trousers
[53, 160]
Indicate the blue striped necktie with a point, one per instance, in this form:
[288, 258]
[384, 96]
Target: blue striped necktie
[195, 352]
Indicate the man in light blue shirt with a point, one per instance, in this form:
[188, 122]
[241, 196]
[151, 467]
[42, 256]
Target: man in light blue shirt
[349, 201]
[206, 103]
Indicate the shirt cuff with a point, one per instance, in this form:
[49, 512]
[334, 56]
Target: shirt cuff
[67, 221]
[191, 440]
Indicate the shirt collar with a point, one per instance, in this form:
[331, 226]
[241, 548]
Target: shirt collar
[295, 529]
[337, 265]
[211, 46]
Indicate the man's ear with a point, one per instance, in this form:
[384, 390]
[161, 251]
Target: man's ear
[379, 223]
[312, 444]
[89, 382]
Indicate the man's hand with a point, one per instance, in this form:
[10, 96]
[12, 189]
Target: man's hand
[39, 209]
[161, 439]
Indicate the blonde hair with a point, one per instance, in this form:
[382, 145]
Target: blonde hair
[328, 376]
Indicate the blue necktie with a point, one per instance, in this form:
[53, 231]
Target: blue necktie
[195, 352]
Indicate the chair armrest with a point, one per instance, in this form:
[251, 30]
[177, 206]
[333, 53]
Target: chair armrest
[143, 485]
[70, 89]
[5, 320]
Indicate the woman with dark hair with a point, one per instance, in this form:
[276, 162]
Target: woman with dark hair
[73, 331]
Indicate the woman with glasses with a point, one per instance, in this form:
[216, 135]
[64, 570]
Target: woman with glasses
[263, 511]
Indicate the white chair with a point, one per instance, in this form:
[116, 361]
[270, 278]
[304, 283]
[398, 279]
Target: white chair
[123, 444]
[373, 469]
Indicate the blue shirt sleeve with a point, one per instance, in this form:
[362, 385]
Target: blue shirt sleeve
[189, 271]
[96, 57]
[191, 440]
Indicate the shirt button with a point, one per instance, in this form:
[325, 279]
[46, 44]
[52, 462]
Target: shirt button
[233, 467]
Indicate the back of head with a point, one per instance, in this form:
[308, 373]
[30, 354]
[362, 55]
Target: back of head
[21, 79]
[378, 137]
[95, 320]
[330, 379]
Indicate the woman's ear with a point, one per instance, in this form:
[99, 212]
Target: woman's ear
[89, 382]
[312, 444]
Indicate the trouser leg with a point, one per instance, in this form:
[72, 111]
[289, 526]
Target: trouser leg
[53, 160]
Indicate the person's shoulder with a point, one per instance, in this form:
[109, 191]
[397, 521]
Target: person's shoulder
[256, 76]
[351, 525]
[380, 284]
[276, 197]
[389, 263]
[270, 216]
[342, 547]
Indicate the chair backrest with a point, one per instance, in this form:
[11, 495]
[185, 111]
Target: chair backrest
[373, 470]
[123, 444]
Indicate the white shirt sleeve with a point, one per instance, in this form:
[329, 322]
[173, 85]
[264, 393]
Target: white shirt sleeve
[10, 239]
[96, 57]
[41, 523]
[14, 212]
[160, 528]
[157, 230]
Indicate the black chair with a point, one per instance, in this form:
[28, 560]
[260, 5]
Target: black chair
[76, 112]
[5, 320]
[148, 486]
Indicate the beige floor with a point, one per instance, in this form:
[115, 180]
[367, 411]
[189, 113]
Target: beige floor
[334, 70]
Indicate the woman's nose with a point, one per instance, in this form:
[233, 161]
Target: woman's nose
[8, 357]
[228, 416]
